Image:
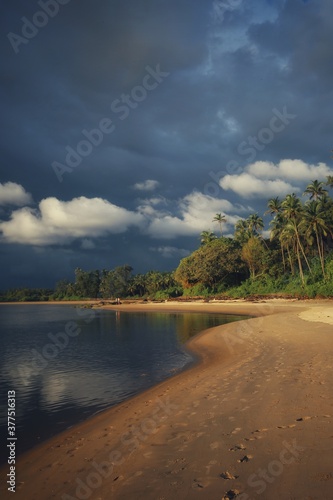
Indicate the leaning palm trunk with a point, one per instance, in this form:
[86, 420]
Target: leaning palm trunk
[300, 264]
[302, 249]
[320, 252]
[283, 258]
[290, 261]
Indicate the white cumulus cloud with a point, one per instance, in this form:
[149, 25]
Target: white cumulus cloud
[264, 179]
[14, 194]
[249, 186]
[148, 185]
[194, 214]
[289, 169]
[59, 222]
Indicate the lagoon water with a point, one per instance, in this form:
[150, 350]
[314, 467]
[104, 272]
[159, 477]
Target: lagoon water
[104, 358]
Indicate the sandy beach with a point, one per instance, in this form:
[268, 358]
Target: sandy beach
[252, 419]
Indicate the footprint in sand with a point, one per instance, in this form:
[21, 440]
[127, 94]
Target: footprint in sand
[231, 494]
[237, 430]
[246, 458]
[301, 419]
[228, 475]
[214, 446]
[238, 447]
[200, 483]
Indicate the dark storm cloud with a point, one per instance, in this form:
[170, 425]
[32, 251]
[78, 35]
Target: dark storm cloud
[66, 78]
[226, 74]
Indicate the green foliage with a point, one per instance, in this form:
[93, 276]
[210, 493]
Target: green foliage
[152, 283]
[198, 290]
[115, 283]
[26, 295]
[168, 293]
[206, 237]
[217, 262]
[255, 256]
[86, 283]
[287, 285]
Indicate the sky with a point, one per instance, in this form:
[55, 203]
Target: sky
[126, 126]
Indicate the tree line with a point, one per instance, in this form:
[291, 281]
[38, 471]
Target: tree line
[296, 259]
[117, 283]
[104, 284]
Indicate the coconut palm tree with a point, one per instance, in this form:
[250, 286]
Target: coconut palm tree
[287, 240]
[206, 237]
[274, 206]
[315, 189]
[220, 219]
[292, 211]
[277, 226]
[242, 232]
[313, 222]
[329, 181]
[255, 223]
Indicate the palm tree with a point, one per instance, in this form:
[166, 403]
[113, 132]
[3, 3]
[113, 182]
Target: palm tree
[274, 206]
[220, 219]
[292, 211]
[255, 223]
[329, 181]
[242, 231]
[207, 237]
[277, 227]
[137, 285]
[315, 189]
[313, 222]
[327, 206]
[287, 240]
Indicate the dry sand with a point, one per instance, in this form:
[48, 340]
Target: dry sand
[254, 419]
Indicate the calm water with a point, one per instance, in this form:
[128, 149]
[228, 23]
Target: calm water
[67, 364]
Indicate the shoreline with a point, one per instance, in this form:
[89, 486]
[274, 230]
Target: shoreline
[124, 308]
[149, 429]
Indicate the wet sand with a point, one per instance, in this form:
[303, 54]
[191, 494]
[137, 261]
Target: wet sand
[253, 419]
